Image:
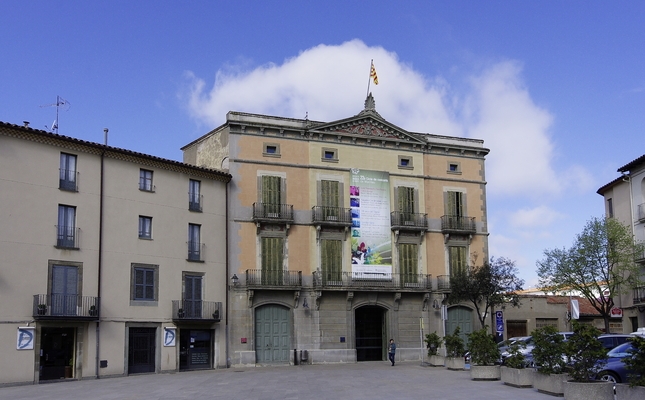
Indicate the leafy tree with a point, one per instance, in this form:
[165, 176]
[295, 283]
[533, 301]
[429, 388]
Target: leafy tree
[601, 258]
[487, 286]
[587, 356]
[482, 347]
[454, 344]
[635, 363]
[549, 350]
[433, 342]
[516, 358]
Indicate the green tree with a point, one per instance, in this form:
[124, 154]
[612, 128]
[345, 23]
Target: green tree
[601, 259]
[487, 286]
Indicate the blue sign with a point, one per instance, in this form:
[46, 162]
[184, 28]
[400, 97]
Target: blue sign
[499, 321]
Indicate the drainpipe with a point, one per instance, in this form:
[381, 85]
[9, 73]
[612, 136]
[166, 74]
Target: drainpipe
[228, 360]
[100, 261]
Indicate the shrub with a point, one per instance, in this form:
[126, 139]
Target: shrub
[433, 342]
[548, 353]
[586, 353]
[454, 344]
[516, 358]
[482, 347]
[636, 362]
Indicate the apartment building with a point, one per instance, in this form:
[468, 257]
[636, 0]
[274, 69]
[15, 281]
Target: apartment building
[625, 200]
[112, 262]
[343, 234]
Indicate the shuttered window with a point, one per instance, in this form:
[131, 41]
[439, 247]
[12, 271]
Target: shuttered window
[458, 260]
[272, 256]
[408, 262]
[331, 260]
[406, 200]
[455, 206]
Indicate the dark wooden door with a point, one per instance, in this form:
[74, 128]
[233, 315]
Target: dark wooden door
[141, 350]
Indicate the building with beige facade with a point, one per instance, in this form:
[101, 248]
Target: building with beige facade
[343, 234]
[625, 200]
[112, 262]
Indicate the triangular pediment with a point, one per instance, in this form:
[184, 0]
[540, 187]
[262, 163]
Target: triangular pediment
[367, 123]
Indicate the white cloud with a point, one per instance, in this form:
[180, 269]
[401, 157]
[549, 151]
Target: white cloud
[537, 217]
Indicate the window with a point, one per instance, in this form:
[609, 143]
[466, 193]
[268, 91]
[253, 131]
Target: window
[194, 244]
[610, 208]
[331, 261]
[145, 180]
[329, 155]
[66, 227]
[145, 227]
[330, 195]
[194, 196]
[271, 195]
[454, 168]
[271, 150]
[455, 204]
[272, 259]
[408, 262]
[405, 162]
[144, 282]
[405, 200]
[67, 175]
[457, 259]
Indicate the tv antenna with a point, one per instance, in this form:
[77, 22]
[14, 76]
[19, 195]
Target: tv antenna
[61, 103]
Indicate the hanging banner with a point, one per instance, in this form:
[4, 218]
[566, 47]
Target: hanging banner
[369, 193]
[26, 335]
[575, 310]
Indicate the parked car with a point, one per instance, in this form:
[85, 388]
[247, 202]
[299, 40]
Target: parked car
[611, 340]
[526, 350]
[615, 370]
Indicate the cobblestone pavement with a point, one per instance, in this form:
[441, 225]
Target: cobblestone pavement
[365, 380]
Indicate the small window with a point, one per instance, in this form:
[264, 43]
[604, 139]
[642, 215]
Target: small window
[405, 162]
[67, 174]
[454, 168]
[194, 243]
[67, 233]
[610, 208]
[145, 227]
[271, 150]
[194, 195]
[144, 286]
[329, 155]
[145, 181]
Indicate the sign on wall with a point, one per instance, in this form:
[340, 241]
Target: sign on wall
[369, 193]
[26, 336]
[169, 336]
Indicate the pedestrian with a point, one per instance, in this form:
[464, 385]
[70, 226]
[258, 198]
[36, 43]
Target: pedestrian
[391, 351]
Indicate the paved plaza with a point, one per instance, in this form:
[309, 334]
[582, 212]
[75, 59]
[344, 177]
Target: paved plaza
[365, 380]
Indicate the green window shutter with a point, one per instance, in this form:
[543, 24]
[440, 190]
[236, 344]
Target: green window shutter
[272, 259]
[330, 198]
[457, 259]
[331, 260]
[408, 262]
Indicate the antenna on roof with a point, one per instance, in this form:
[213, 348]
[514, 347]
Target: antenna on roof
[60, 103]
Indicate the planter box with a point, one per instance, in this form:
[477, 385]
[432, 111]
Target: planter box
[437, 361]
[598, 390]
[552, 384]
[485, 372]
[519, 378]
[455, 363]
[624, 392]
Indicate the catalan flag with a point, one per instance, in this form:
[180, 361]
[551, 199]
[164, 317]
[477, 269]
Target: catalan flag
[373, 74]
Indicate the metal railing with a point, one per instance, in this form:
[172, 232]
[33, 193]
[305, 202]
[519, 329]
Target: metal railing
[639, 295]
[195, 202]
[67, 237]
[280, 278]
[267, 212]
[331, 215]
[67, 180]
[195, 251]
[59, 306]
[197, 310]
[443, 282]
[372, 280]
[451, 223]
[408, 221]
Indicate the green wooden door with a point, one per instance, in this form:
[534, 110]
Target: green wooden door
[461, 317]
[272, 334]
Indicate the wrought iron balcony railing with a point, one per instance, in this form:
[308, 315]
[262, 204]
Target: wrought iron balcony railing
[457, 224]
[275, 213]
[59, 306]
[196, 310]
[408, 221]
[195, 251]
[195, 202]
[67, 237]
[331, 216]
[639, 295]
[373, 281]
[443, 283]
[275, 279]
[68, 180]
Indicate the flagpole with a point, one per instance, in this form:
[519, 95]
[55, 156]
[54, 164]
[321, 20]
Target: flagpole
[369, 78]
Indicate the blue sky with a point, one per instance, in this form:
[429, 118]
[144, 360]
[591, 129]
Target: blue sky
[556, 89]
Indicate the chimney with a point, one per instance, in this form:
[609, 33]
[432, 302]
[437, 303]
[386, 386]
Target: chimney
[26, 124]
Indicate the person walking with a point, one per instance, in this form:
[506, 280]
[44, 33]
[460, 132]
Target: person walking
[391, 351]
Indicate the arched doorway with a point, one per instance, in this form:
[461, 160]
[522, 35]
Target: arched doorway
[272, 334]
[369, 322]
[461, 317]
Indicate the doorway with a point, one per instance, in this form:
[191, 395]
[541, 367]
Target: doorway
[272, 334]
[64, 290]
[193, 296]
[195, 349]
[370, 333]
[57, 353]
[141, 350]
[461, 317]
